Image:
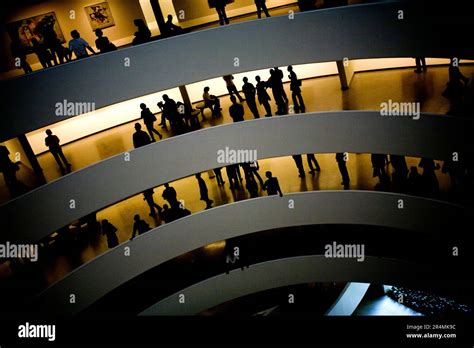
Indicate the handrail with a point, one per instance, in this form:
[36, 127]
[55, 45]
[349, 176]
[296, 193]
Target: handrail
[355, 32]
[114, 179]
[285, 272]
[95, 279]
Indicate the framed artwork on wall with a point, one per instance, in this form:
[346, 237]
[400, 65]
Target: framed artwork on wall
[43, 28]
[100, 16]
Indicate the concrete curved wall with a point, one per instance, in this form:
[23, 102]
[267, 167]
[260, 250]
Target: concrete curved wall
[95, 279]
[285, 272]
[114, 179]
[355, 32]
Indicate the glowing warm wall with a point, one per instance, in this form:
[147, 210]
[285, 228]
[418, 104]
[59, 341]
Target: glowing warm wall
[127, 111]
[197, 12]
[123, 12]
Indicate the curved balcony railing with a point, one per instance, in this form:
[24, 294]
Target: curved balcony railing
[286, 272]
[93, 280]
[112, 180]
[355, 32]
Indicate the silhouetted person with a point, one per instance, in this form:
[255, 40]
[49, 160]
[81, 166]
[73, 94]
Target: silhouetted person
[7, 167]
[430, 181]
[211, 101]
[236, 110]
[19, 53]
[143, 34]
[311, 158]
[170, 110]
[219, 5]
[169, 194]
[64, 54]
[253, 171]
[341, 163]
[139, 226]
[102, 42]
[140, 138]
[251, 186]
[271, 185]
[261, 6]
[218, 174]
[295, 85]
[279, 77]
[399, 163]
[44, 56]
[455, 171]
[79, 46]
[149, 119]
[52, 142]
[455, 90]
[187, 119]
[263, 97]
[163, 116]
[455, 75]
[203, 191]
[170, 28]
[148, 198]
[299, 164]
[250, 92]
[232, 176]
[110, 232]
[420, 64]
[277, 90]
[237, 171]
[378, 165]
[51, 42]
[166, 214]
[400, 173]
[414, 182]
[231, 87]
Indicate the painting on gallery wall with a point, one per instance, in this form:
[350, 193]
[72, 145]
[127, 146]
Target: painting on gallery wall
[44, 28]
[100, 16]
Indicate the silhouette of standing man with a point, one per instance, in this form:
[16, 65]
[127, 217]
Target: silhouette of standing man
[169, 194]
[249, 92]
[271, 185]
[218, 174]
[299, 164]
[263, 97]
[231, 87]
[140, 138]
[261, 6]
[7, 167]
[277, 91]
[236, 110]
[52, 142]
[295, 85]
[279, 79]
[341, 163]
[109, 230]
[311, 158]
[139, 226]
[420, 64]
[219, 5]
[148, 119]
[148, 197]
[203, 191]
